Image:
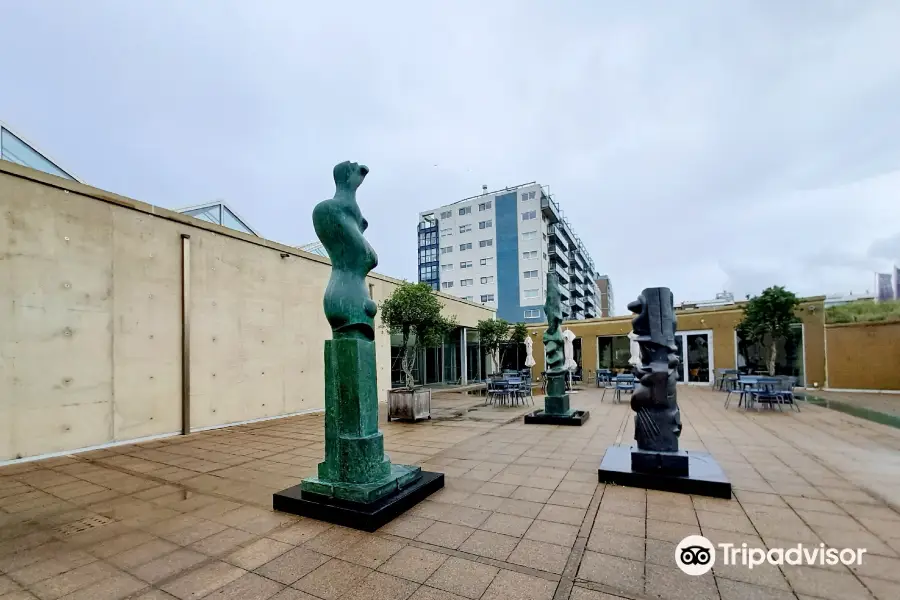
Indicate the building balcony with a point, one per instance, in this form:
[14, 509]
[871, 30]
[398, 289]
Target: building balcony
[588, 300]
[578, 302]
[576, 288]
[590, 312]
[557, 268]
[557, 253]
[564, 292]
[549, 209]
[575, 274]
[576, 259]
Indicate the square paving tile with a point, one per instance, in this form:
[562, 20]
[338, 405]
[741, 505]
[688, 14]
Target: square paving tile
[463, 577]
[508, 585]
[167, 565]
[446, 535]
[541, 556]
[248, 586]
[257, 553]
[613, 571]
[371, 551]
[292, 565]
[332, 579]
[491, 545]
[507, 524]
[415, 564]
[553, 533]
[381, 586]
[204, 580]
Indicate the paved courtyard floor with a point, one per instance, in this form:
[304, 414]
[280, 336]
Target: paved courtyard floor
[522, 516]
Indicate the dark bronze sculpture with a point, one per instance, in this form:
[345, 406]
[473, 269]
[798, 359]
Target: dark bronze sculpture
[656, 462]
[657, 420]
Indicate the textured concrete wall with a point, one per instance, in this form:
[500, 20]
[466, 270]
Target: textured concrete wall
[864, 356]
[90, 320]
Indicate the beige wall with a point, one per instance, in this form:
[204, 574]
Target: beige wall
[90, 320]
[863, 356]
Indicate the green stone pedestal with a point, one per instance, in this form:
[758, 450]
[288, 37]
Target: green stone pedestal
[356, 482]
[556, 405]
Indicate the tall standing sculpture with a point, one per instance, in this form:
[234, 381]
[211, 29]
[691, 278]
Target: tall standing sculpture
[356, 485]
[556, 400]
[656, 462]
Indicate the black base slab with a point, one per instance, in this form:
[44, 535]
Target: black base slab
[660, 463]
[367, 517]
[539, 417]
[705, 476]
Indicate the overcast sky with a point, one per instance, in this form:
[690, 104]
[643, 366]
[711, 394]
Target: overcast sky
[698, 145]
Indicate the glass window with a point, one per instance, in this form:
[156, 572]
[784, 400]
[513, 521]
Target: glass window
[485, 243]
[465, 246]
[446, 214]
[15, 150]
[465, 228]
[447, 284]
[531, 255]
[524, 196]
[533, 293]
[487, 297]
[465, 282]
[527, 216]
[529, 235]
[465, 264]
[447, 250]
[465, 210]
[469, 298]
[532, 313]
[530, 274]
[487, 261]
[485, 205]
[446, 231]
[446, 267]
[485, 224]
[531, 195]
[488, 279]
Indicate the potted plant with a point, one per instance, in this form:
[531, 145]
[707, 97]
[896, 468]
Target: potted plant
[413, 311]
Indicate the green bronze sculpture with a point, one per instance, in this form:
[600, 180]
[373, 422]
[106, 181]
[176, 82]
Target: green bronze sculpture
[355, 466]
[556, 401]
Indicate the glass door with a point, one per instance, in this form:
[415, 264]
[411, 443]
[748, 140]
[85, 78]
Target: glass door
[696, 354]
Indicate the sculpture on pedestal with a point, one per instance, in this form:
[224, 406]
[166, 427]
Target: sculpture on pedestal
[656, 462]
[356, 484]
[556, 400]
[657, 420]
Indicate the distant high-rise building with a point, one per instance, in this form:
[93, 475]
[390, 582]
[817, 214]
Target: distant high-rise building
[887, 285]
[14, 148]
[497, 248]
[606, 297]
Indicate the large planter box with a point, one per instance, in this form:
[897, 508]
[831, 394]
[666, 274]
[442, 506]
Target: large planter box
[409, 404]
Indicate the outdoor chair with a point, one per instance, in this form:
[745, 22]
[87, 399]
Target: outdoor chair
[742, 387]
[785, 390]
[604, 377]
[499, 391]
[766, 392]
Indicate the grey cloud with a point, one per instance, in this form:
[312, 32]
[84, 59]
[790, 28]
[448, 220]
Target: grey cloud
[700, 145]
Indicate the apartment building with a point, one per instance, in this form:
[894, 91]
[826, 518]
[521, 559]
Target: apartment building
[606, 298]
[497, 249]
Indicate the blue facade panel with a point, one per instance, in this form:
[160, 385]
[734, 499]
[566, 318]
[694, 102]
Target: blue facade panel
[507, 217]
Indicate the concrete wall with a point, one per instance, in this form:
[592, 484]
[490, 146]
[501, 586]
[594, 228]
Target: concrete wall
[722, 321]
[90, 320]
[863, 356]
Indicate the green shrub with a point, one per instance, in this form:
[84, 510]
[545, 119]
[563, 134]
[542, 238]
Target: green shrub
[863, 311]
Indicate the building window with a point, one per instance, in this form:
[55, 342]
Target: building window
[465, 246]
[469, 298]
[465, 228]
[427, 239]
[447, 284]
[447, 250]
[465, 210]
[429, 255]
[531, 195]
[532, 313]
[487, 261]
[529, 235]
[465, 264]
[447, 267]
[465, 282]
[485, 224]
[485, 205]
[524, 196]
[527, 216]
[545, 256]
[446, 214]
[485, 243]
[487, 297]
[531, 274]
[446, 231]
[532, 293]
[426, 273]
[488, 279]
[531, 255]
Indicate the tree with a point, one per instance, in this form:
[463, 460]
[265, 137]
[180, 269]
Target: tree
[413, 311]
[497, 335]
[768, 319]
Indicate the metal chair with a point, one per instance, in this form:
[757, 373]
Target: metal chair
[766, 392]
[743, 386]
[785, 390]
[624, 383]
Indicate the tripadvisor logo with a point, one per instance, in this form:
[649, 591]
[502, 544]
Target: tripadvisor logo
[696, 555]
